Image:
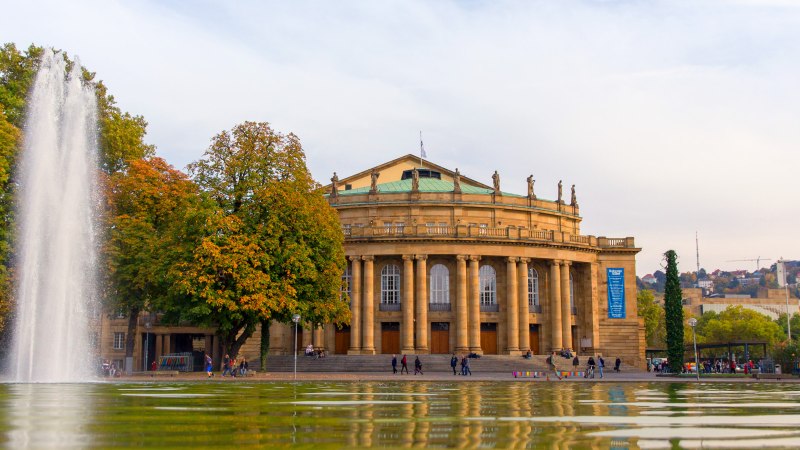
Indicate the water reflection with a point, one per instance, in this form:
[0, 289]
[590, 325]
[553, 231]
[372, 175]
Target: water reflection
[39, 415]
[424, 414]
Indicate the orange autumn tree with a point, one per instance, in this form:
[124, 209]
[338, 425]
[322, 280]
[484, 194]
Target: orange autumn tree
[151, 207]
[272, 247]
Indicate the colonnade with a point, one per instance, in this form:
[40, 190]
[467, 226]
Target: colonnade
[414, 326]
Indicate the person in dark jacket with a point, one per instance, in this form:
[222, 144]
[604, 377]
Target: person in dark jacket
[454, 363]
[418, 366]
[394, 363]
[404, 365]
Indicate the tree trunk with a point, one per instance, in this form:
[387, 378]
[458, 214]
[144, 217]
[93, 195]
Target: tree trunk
[130, 337]
[265, 323]
[231, 343]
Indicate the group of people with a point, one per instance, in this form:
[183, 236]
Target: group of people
[314, 353]
[590, 366]
[404, 365]
[230, 366]
[464, 365]
[110, 369]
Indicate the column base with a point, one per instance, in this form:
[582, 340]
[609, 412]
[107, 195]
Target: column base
[367, 351]
[422, 351]
[515, 352]
[354, 351]
[407, 350]
[461, 350]
[476, 350]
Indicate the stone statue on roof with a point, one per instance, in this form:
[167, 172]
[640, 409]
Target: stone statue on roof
[414, 180]
[373, 186]
[334, 185]
[574, 200]
[531, 181]
[457, 181]
[496, 181]
[560, 193]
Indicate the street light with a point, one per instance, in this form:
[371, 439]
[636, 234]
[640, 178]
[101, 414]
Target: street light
[693, 324]
[295, 319]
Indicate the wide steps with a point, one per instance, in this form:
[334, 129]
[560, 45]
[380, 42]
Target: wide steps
[430, 363]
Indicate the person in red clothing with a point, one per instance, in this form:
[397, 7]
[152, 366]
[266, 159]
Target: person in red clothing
[404, 365]
[154, 366]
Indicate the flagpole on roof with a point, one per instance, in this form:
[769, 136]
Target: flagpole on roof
[421, 150]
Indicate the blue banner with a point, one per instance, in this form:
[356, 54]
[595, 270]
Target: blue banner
[616, 293]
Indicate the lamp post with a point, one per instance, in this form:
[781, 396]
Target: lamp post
[782, 264]
[295, 319]
[693, 324]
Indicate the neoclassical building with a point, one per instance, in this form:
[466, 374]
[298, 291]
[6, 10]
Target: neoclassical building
[438, 263]
[441, 263]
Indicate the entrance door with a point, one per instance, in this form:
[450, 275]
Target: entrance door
[489, 338]
[534, 339]
[440, 337]
[342, 340]
[390, 337]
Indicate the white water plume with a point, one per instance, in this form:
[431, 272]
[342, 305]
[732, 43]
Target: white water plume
[56, 254]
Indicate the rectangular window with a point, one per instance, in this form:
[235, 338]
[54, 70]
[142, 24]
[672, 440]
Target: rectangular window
[399, 227]
[119, 341]
[483, 228]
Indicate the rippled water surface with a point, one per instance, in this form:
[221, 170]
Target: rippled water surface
[425, 414]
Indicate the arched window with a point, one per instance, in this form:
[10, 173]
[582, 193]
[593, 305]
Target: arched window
[488, 280]
[390, 284]
[533, 287]
[440, 284]
[347, 281]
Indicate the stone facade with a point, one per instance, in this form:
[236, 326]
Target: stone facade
[440, 263]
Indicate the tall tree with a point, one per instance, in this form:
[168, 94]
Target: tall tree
[653, 314]
[673, 313]
[150, 204]
[272, 248]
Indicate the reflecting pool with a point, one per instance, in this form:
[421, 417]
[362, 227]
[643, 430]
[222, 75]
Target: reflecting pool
[388, 414]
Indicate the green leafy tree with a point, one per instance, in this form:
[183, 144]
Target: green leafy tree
[653, 315]
[673, 313]
[150, 204]
[739, 323]
[795, 324]
[273, 246]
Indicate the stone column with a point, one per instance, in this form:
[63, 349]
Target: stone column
[461, 304]
[407, 305]
[167, 344]
[593, 310]
[512, 306]
[159, 346]
[355, 305]
[566, 308]
[306, 335]
[208, 348]
[474, 305]
[318, 338]
[422, 304]
[367, 319]
[554, 283]
[524, 311]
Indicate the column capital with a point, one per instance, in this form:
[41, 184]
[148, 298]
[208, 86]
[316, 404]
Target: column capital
[474, 257]
[354, 258]
[566, 263]
[422, 257]
[461, 257]
[524, 260]
[554, 262]
[512, 259]
[368, 258]
[408, 257]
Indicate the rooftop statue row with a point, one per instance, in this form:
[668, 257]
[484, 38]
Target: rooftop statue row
[374, 174]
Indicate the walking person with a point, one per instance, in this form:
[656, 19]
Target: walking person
[418, 366]
[454, 363]
[209, 366]
[404, 365]
[226, 365]
[551, 360]
[617, 363]
[394, 363]
[600, 364]
[465, 367]
[575, 363]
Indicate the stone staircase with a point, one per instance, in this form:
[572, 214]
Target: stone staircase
[430, 363]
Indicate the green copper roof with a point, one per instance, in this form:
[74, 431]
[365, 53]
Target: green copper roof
[425, 185]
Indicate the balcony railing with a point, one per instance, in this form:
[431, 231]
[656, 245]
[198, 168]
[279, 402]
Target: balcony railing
[490, 308]
[389, 307]
[535, 309]
[483, 233]
[439, 306]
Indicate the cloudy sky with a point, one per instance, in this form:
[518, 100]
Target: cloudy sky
[670, 117]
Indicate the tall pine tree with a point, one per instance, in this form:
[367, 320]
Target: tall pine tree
[673, 313]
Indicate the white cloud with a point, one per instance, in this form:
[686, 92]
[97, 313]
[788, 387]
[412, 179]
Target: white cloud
[670, 117]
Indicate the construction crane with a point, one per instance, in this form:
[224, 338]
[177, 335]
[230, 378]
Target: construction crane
[757, 260]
